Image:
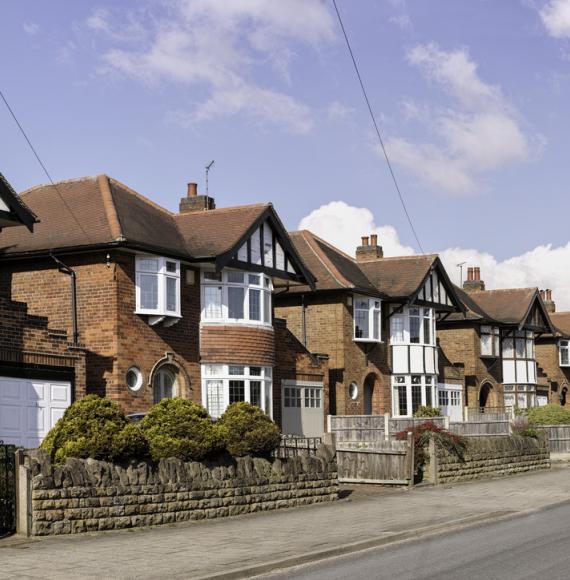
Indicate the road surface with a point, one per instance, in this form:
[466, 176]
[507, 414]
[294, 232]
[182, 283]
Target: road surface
[533, 546]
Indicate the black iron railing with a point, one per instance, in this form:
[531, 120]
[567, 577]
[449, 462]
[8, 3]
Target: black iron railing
[7, 488]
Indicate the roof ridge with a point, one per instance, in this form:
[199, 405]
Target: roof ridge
[110, 208]
[56, 183]
[339, 278]
[141, 196]
[533, 288]
[413, 256]
[225, 209]
[327, 243]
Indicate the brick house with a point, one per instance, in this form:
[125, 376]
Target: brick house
[375, 318]
[37, 364]
[165, 304]
[553, 353]
[495, 344]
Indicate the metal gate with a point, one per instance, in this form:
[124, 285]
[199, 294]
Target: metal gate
[7, 488]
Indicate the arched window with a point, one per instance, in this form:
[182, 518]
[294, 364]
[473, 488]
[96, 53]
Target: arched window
[164, 384]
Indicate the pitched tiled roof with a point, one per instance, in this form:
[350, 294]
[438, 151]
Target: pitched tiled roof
[561, 321]
[333, 269]
[210, 233]
[509, 306]
[110, 212]
[399, 277]
[473, 310]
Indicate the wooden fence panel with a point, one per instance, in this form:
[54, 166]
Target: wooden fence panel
[397, 425]
[481, 428]
[384, 462]
[368, 428]
[559, 436]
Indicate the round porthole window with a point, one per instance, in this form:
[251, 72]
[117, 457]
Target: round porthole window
[353, 391]
[134, 379]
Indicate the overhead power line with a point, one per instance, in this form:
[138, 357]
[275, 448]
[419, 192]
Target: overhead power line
[376, 128]
[11, 111]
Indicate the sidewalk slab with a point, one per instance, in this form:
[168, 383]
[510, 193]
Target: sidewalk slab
[221, 547]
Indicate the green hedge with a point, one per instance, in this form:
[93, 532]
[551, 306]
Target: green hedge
[427, 411]
[549, 415]
[181, 428]
[91, 427]
[247, 430]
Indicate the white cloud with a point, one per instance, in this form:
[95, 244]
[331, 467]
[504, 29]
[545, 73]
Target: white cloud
[220, 47]
[555, 16]
[478, 131]
[336, 111]
[31, 28]
[342, 225]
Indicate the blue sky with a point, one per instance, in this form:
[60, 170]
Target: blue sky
[471, 95]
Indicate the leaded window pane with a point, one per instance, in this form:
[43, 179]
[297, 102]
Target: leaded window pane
[148, 284]
[212, 302]
[254, 304]
[255, 393]
[235, 301]
[237, 391]
[171, 294]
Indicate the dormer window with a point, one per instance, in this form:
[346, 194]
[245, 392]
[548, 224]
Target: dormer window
[564, 350]
[367, 319]
[157, 286]
[490, 341]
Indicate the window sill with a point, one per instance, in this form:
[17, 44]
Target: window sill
[246, 324]
[373, 340]
[156, 313]
[490, 356]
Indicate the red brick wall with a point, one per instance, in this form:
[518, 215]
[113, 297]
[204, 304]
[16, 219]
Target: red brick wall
[558, 377]
[329, 325]
[237, 344]
[25, 341]
[295, 362]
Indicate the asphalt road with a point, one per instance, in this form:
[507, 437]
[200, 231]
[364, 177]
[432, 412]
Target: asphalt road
[533, 546]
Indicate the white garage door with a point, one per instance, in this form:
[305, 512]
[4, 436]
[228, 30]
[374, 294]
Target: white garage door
[302, 408]
[29, 408]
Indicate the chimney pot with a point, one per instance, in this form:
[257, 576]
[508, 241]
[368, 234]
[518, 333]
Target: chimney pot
[477, 272]
[469, 273]
[542, 295]
[192, 189]
[365, 240]
[374, 239]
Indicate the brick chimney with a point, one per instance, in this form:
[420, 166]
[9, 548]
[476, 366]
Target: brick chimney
[473, 282]
[549, 304]
[194, 202]
[369, 251]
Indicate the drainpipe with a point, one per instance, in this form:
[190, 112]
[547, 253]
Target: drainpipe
[304, 320]
[73, 279]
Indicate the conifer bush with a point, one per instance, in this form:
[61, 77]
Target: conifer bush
[548, 415]
[180, 428]
[247, 430]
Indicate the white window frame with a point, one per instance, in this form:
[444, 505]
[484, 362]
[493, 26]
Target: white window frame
[163, 275]
[225, 373]
[406, 381]
[374, 310]
[527, 339]
[302, 395]
[520, 395]
[494, 333]
[564, 346]
[264, 286]
[403, 318]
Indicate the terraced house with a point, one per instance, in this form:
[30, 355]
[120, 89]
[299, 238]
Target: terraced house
[158, 304]
[494, 342]
[376, 319]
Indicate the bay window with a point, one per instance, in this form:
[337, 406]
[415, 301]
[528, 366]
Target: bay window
[223, 385]
[235, 296]
[490, 341]
[413, 326]
[410, 392]
[157, 286]
[367, 319]
[519, 369]
[564, 350]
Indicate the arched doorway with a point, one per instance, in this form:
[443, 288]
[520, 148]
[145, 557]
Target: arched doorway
[368, 393]
[164, 384]
[485, 395]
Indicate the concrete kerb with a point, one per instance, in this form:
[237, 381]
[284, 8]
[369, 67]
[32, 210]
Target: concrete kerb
[426, 532]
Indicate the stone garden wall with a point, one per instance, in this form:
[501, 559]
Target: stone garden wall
[89, 495]
[492, 456]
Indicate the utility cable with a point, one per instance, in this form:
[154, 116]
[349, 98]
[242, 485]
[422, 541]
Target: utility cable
[42, 164]
[377, 129]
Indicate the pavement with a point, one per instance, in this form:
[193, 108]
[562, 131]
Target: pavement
[246, 546]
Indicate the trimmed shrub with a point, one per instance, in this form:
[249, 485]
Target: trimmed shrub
[180, 428]
[90, 427]
[427, 411]
[549, 415]
[131, 443]
[247, 430]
